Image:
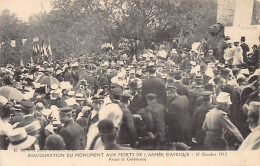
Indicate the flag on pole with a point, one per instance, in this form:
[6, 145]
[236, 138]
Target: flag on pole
[13, 43]
[35, 39]
[23, 41]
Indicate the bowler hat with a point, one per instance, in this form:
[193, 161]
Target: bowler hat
[151, 96]
[106, 127]
[65, 110]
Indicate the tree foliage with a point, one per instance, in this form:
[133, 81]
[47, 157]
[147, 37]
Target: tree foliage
[82, 26]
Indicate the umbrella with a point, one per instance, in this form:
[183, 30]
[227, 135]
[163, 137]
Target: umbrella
[11, 93]
[48, 80]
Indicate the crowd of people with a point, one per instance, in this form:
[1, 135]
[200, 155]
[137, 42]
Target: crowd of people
[177, 99]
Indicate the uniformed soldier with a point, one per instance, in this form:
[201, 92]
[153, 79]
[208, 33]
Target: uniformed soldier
[217, 122]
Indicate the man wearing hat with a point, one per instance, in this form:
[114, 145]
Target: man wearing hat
[18, 115]
[136, 100]
[181, 88]
[108, 134]
[217, 122]
[97, 103]
[32, 126]
[178, 118]
[158, 112]
[245, 48]
[71, 131]
[127, 132]
[199, 117]
[153, 85]
[19, 140]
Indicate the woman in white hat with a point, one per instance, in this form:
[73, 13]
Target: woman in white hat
[216, 123]
[252, 141]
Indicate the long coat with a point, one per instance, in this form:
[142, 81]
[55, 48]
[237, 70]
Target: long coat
[127, 133]
[135, 104]
[73, 136]
[198, 119]
[159, 119]
[154, 85]
[179, 120]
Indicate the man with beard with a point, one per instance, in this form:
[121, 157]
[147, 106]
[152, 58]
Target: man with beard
[216, 123]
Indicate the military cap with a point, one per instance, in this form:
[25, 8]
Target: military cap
[65, 110]
[116, 91]
[171, 87]
[97, 97]
[224, 72]
[177, 72]
[27, 104]
[125, 95]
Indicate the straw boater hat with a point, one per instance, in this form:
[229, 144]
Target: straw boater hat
[20, 140]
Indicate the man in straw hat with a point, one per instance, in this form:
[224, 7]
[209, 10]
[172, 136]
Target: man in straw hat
[217, 122]
[19, 140]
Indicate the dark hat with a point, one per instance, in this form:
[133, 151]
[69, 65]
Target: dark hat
[243, 38]
[151, 96]
[177, 72]
[106, 127]
[203, 67]
[216, 71]
[125, 96]
[198, 78]
[171, 87]
[27, 104]
[132, 84]
[206, 93]
[54, 142]
[97, 97]
[65, 110]
[227, 38]
[224, 72]
[116, 91]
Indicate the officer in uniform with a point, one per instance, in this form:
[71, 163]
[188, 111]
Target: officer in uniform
[71, 131]
[217, 122]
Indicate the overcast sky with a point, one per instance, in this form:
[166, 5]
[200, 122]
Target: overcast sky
[25, 8]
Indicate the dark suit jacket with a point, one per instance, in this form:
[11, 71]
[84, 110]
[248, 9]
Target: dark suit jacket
[198, 119]
[135, 104]
[159, 119]
[73, 136]
[154, 85]
[127, 133]
[178, 118]
[182, 89]
[68, 76]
